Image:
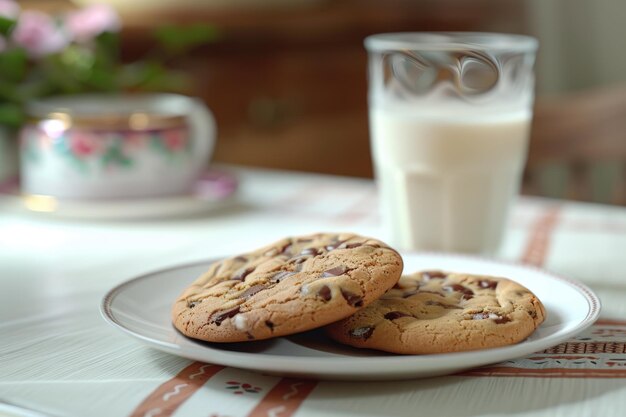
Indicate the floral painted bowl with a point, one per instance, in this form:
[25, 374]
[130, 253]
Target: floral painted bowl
[115, 146]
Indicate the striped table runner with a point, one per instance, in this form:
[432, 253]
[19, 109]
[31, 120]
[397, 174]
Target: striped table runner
[600, 352]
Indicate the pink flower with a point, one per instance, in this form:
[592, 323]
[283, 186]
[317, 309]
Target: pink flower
[85, 24]
[83, 144]
[175, 139]
[9, 9]
[38, 33]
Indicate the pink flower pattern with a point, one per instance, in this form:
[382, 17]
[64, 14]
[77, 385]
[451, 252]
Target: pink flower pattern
[83, 144]
[239, 388]
[110, 148]
[175, 139]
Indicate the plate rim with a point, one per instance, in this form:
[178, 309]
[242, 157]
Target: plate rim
[593, 313]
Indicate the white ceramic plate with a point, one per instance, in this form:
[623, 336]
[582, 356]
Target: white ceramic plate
[214, 190]
[141, 308]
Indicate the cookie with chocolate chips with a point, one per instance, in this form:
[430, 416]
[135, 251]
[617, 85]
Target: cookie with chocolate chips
[293, 285]
[437, 312]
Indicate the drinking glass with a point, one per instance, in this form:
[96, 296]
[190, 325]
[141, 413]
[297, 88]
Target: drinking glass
[450, 116]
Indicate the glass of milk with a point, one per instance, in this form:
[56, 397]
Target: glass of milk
[450, 117]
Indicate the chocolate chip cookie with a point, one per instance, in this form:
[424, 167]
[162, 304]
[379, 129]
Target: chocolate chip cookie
[293, 285]
[437, 312]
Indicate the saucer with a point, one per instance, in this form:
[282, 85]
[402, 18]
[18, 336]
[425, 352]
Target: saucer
[213, 190]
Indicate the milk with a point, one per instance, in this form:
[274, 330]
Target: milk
[447, 178]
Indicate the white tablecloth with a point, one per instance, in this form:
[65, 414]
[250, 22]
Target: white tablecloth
[58, 356]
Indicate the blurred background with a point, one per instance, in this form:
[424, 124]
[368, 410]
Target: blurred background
[286, 79]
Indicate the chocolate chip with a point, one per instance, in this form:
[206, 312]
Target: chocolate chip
[285, 250]
[310, 251]
[252, 290]
[428, 275]
[192, 304]
[362, 332]
[480, 316]
[281, 276]
[241, 259]
[335, 272]
[325, 293]
[333, 246]
[396, 315]
[352, 299]
[353, 245]
[241, 276]
[220, 316]
[467, 293]
[487, 283]
[269, 324]
[485, 315]
[334, 243]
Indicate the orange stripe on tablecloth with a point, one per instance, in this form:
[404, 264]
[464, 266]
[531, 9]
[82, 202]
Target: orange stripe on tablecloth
[539, 240]
[610, 322]
[547, 372]
[166, 399]
[284, 399]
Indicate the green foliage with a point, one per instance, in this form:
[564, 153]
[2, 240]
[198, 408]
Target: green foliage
[13, 64]
[181, 39]
[152, 76]
[6, 25]
[94, 67]
[11, 115]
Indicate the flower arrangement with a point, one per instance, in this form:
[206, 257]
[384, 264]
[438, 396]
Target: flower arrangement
[77, 52]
